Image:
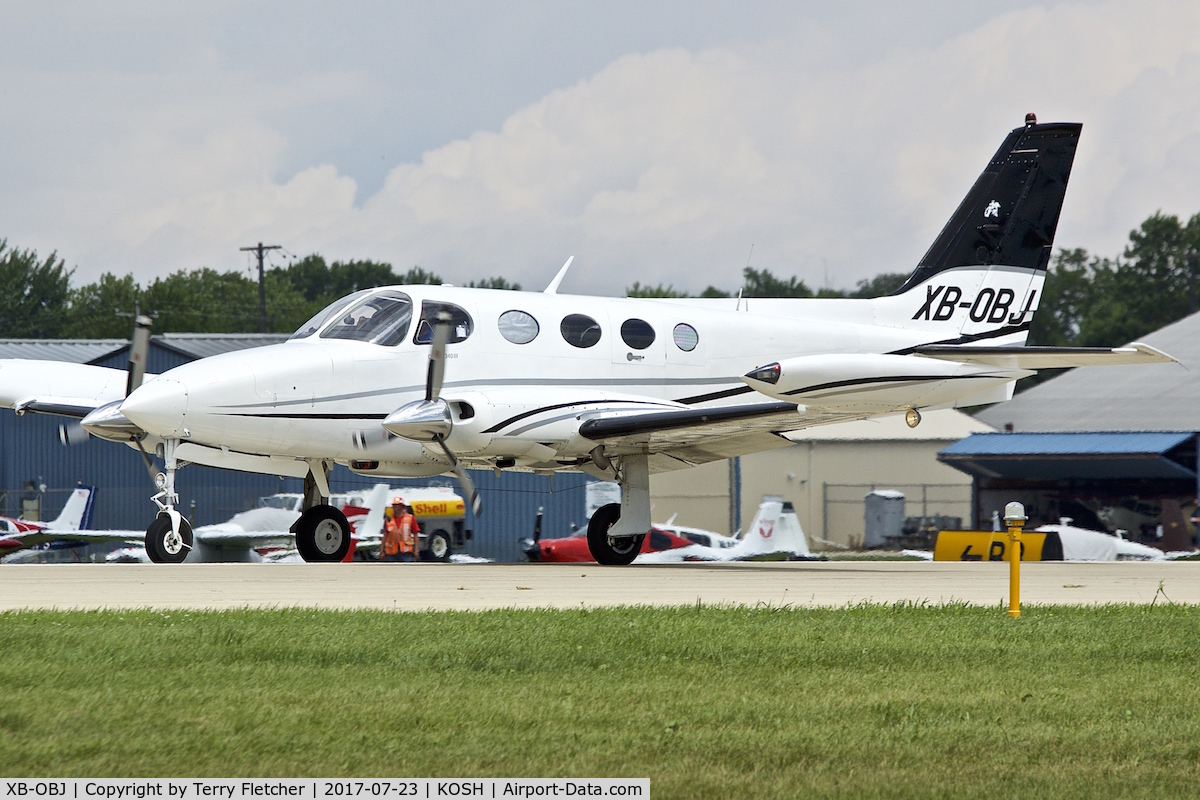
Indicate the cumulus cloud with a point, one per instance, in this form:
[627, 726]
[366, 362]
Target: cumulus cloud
[664, 166]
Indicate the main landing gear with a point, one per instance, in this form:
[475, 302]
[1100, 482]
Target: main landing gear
[169, 537]
[615, 531]
[322, 532]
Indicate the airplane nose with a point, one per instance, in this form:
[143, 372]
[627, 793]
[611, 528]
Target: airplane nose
[158, 406]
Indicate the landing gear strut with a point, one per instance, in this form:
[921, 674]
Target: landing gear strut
[616, 531]
[169, 537]
[322, 532]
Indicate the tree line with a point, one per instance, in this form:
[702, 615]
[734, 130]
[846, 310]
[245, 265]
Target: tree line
[1088, 300]
[37, 300]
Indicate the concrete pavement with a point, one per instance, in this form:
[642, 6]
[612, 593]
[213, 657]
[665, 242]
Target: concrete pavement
[419, 587]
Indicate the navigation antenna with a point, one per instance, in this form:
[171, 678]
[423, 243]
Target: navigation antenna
[742, 288]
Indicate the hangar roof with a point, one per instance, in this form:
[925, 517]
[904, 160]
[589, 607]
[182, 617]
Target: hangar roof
[1126, 398]
[202, 345]
[87, 351]
[78, 351]
[1076, 456]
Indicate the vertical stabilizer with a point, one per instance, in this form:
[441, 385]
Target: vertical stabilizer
[77, 513]
[377, 502]
[1011, 213]
[775, 534]
[982, 277]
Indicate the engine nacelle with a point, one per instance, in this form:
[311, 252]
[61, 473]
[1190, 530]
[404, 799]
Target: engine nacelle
[874, 382]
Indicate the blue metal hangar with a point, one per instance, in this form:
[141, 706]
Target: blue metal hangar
[37, 472]
[1114, 448]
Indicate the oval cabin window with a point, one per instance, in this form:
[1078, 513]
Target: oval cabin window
[686, 337]
[518, 327]
[637, 333]
[580, 330]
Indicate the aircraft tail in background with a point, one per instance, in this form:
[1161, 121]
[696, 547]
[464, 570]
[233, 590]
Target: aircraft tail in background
[77, 512]
[775, 534]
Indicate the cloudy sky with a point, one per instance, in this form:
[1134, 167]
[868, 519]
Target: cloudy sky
[654, 141]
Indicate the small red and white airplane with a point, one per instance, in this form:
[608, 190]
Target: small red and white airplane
[618, 388]
[68, 529]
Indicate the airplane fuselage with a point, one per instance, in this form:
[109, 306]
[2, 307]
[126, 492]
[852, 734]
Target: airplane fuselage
[322, 397]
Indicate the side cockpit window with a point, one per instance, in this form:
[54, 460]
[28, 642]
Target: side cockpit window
[460, 322]
[381, 318]
[325, 314]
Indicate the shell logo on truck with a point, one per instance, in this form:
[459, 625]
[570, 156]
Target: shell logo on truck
[436, 508]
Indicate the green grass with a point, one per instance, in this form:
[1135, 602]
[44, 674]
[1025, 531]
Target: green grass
[707, 702]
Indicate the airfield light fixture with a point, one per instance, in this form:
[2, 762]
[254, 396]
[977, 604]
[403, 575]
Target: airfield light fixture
[1014, 516]
[1014, 512]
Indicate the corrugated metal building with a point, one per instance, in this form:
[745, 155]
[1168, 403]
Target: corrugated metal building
[31, 457]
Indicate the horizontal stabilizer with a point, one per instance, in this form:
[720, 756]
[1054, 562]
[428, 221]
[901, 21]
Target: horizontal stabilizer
[1047, 357]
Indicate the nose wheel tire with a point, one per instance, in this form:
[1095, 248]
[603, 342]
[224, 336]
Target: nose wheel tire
[322, 534]
[165, 546]
[611, 551]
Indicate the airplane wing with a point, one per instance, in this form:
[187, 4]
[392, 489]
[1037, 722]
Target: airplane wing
[1046, 357]
[258, 527]
[11, 543]
[58, 387]
[699, 435]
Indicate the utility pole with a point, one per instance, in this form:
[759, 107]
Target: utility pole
[1191, 262]
[260, 249]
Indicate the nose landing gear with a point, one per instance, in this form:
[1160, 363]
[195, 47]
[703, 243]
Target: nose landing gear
[169, 538]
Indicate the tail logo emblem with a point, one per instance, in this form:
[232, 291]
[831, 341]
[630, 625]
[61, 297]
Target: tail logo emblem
[992, 210]
[766, 529]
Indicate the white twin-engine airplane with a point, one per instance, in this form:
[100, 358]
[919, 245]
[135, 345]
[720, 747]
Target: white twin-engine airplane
[617, 388]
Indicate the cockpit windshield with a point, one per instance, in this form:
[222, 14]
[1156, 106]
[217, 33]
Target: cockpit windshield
[381, 318]
[325, 314]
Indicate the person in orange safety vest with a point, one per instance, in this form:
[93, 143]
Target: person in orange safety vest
[400, 531]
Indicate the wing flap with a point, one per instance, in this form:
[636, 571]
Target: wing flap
[1047, 357]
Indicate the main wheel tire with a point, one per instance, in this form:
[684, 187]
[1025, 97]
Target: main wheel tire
[163, 545]
[152, 551]
[605, 549]
[439, 546]
[323, 534]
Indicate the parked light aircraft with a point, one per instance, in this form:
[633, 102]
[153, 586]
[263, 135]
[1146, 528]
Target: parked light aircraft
[75, 515]
[774, 535]
[1080, 544]
[422, 380]
[574, 549]
[68, 529]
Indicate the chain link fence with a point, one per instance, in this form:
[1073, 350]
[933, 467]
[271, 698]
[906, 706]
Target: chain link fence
[844, 506]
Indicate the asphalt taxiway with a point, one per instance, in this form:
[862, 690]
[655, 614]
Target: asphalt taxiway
[420, 587]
